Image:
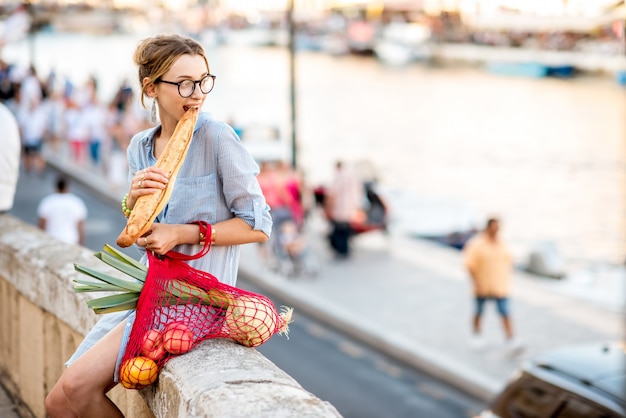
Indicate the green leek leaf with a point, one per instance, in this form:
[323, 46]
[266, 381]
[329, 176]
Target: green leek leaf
[123, 284]
[123, 257]
[122, 266]
[117, 308]
[89, 286]
[113, 300]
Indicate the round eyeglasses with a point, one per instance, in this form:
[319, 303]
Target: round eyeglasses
[187, 87]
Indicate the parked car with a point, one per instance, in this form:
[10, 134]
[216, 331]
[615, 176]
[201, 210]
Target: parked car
[587, 381]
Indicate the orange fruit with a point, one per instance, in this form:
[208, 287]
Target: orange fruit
[138, 372]
[152, 345]
[177, 338]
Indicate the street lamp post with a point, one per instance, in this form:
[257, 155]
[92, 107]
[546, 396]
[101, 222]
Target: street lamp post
[292, 83]
[30, 10]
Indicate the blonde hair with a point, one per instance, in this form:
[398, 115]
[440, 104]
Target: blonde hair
[155, 56]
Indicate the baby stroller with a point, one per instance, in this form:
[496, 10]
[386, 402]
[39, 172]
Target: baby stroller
[291, 254]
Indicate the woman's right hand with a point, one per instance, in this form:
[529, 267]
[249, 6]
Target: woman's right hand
[147, 181]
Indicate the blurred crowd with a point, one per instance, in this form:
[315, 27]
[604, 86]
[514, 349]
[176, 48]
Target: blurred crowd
[70, 119]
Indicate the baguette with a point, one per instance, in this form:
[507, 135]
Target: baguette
[149, 206]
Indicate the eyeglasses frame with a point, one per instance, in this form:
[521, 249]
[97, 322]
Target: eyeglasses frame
[193, 89]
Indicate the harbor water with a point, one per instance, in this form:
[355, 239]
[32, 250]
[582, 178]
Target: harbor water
[450, 145]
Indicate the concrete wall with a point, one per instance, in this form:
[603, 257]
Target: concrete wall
[42, 321]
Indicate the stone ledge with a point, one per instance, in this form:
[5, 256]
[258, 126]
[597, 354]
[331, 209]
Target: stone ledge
[218, 378]
[236, 382]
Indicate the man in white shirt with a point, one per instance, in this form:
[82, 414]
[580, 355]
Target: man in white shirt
[62, 215]
[10, 143]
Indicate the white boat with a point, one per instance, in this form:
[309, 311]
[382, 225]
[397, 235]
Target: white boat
[401, 43]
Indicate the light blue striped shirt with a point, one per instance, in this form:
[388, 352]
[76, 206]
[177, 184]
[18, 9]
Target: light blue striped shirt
[217, 181]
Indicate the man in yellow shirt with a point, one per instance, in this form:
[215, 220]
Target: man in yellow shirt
[490, 264]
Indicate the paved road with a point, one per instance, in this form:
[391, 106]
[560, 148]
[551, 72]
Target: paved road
[359, 381]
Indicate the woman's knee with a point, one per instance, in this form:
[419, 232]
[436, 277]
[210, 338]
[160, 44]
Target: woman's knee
[57, 404]
[75, 387]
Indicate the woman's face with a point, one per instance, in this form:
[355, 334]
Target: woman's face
[171, 104]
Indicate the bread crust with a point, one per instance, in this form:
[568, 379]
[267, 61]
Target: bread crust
[149, 206]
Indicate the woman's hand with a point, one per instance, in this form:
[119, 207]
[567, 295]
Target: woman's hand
[147, 181]
[161, 238]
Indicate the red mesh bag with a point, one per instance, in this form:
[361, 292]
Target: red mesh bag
[180, 306]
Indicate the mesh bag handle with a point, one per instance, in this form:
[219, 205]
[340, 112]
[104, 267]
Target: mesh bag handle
[205, 230]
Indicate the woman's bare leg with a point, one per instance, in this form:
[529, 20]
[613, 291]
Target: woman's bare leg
[81, 389]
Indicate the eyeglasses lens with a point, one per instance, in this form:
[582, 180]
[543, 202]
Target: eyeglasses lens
[186, 88]
[206, 84]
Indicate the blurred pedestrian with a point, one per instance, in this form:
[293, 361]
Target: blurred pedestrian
[95, 114]
[133, 119]
[272, 182]
[490, 265]
[293, 187]
[34, 123]
[56, 117]
[277, 198]
[9, 157]
[30, 90]
[77, 131]
[343, 204]
[63, 214]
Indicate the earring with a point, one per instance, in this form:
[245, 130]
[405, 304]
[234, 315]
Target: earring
[153, 112]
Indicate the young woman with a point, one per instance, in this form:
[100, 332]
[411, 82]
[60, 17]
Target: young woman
[216, 183]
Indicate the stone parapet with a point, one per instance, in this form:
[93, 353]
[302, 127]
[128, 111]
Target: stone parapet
[42, 321]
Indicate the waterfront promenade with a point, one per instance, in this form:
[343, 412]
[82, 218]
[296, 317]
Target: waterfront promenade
[411, 299]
